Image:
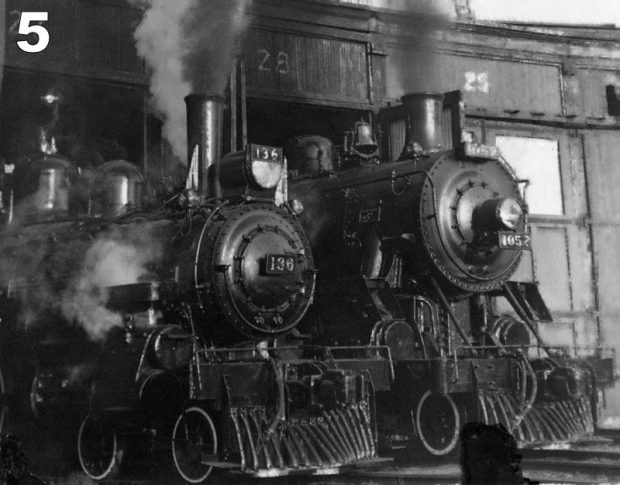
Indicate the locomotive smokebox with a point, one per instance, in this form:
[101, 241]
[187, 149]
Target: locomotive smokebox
[424, 122]
[204, 140]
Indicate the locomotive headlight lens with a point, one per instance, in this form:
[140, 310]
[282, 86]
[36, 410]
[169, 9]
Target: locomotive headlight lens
[264, 165]
[266, 174]
[510, 213]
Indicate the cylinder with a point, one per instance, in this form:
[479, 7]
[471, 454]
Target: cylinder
[424, 121]
[204, 139]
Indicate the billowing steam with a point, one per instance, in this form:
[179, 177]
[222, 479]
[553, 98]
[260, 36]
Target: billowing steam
[114, 259]
[188, 46]
[64, 277]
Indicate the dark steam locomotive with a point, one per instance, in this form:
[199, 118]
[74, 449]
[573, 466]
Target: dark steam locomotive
[192, 298]
[416, 255]
[370, 307]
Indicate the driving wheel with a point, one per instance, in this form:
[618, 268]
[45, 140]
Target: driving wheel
[438, 423]
[99, 450]
[194, 438]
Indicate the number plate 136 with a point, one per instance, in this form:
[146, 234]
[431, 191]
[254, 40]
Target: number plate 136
[279, 264]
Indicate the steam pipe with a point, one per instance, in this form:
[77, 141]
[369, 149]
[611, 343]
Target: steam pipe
[204, 140]
[446, 304]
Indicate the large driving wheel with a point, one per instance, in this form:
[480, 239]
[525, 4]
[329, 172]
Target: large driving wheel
[99, 450]
[438, 423]
[194, 438]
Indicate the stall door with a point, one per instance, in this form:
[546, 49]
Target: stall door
[550, 164]
[602, 156]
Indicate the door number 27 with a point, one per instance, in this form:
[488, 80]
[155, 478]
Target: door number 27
[26, 27]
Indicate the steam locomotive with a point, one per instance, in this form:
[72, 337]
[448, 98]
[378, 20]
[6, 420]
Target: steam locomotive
[416, 255]
[191, 298]
[365, 310]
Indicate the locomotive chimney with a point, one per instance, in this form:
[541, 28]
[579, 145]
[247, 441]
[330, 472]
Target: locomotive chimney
[424, 122]
[204, 139]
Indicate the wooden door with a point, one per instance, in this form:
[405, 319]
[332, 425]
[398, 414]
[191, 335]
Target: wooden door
[552, 162]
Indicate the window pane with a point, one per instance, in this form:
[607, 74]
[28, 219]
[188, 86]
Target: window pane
[537, 160]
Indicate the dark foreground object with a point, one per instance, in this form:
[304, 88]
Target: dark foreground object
[489, 455]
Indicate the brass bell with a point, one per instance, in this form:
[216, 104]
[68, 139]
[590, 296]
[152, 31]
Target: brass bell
[363, 138]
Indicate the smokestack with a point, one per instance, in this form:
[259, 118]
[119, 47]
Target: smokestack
[424, 122]
[204, 139]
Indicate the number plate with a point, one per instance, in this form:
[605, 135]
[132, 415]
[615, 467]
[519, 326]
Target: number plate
[515, 240]
[279, 264]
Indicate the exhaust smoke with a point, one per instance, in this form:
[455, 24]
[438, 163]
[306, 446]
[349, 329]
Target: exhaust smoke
[188, 47]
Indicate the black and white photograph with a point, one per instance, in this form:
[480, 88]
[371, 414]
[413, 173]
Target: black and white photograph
[309, 242]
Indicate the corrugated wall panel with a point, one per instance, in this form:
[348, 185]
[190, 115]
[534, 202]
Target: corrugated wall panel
[603, 172]
[553, 273]
[592, 85]
[84, 36]
[302, 65]
[487, 83]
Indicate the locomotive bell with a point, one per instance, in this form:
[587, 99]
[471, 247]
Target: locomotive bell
[122, 187]
[363, 138]
[424, 122]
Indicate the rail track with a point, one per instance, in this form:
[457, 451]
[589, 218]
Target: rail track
[590, 463]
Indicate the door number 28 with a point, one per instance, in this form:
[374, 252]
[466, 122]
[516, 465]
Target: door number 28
[26, 27]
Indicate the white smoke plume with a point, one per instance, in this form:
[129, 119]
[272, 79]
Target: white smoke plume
[188, 46]
[114, 259]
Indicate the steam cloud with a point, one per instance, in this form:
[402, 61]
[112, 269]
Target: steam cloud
[69, 279]
[188, 46]
[108, 262]
[119, 257]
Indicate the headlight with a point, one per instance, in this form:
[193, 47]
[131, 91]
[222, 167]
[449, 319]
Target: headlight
[259, 166]
[509, 213]
[265, 166]
[266, 174]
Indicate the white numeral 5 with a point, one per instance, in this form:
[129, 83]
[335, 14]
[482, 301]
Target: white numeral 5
[25, 28]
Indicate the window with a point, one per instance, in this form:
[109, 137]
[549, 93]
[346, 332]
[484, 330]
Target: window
[536, 160]
[613, 103]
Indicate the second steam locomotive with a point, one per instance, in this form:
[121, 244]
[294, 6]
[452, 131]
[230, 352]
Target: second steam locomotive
[416, 255]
